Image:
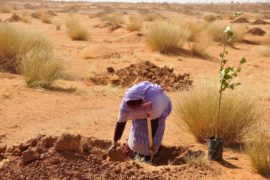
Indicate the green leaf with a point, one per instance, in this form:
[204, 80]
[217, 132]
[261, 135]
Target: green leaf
[221, 55]
[236, 14]
[228, 29]
[238, 69]
[231, 86]
[237, 84]
[243, 60]
[228, 70]
[227, 77]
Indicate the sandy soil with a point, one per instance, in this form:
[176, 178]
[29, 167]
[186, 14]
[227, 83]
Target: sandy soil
[76, 107]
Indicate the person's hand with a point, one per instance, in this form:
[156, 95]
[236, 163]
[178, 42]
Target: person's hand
[112, 148]
[147, 106]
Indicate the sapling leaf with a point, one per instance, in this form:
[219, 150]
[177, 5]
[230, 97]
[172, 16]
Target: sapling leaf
[231, 86]
[243, 60]
[236, 14]
[227, 77]
[237, 84]
[221, 55]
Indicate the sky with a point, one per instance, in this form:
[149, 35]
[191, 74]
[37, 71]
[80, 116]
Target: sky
[177, 1]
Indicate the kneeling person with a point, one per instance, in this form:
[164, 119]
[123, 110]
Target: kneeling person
[139, 99]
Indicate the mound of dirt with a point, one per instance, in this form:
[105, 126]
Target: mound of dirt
[260, 22]
[241, 20]
[145, 71]
[39, 159]
[257, 31]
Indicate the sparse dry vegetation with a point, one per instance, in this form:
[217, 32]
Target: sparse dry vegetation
[75, 30]
[209, 17]
[113, 18]
[258, 150]
[194, 27]
[197, 112]
[217, 34]
[134, 23]
[166, 37]
[5, 8]
[40, 68]
[201, 44]
[45, 17]
[16, 43]
[150, 17]
[194, 159]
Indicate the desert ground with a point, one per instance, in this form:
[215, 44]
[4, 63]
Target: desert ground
[76, 104]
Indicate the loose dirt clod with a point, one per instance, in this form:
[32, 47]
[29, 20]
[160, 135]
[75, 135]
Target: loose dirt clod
[28, 156]
[145, 71]
[257, 31]
[68, 142]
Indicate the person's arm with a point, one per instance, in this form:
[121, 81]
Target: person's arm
[118, 132]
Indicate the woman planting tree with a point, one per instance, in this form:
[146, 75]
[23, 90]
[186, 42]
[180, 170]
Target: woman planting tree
[142, 102]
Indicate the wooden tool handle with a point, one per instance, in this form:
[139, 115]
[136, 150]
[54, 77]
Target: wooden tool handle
[150, 138]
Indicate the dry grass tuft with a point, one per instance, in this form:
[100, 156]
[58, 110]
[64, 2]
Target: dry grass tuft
[113, 18]
[209, 17]
[194, 159]
[16, 43]
[150, 17]
[265, 51]
[201, 44]
[258, 149]
[217, 33]
[134, 24]
[40, 68]
[166, 37]
[197, 112]
[5, 8]
[194, 27]
[45, 17]
[75, 30]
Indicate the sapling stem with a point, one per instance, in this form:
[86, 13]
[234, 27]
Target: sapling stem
[224, 85]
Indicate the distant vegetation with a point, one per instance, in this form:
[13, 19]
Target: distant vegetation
[75, 30]
[135, 23]
[166, 37]
[29, 53]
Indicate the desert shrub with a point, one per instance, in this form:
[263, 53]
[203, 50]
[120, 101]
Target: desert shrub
[40, 68]
[25, 17]
[75, 30]
[197, 113]
[16, 43]
[5, 8]
[265, 51]
[150, 17]
[209, 17]
[166, 37]
[200, 45]
[258, 150]
[113, 18]
[134, 24]
[217, 33]
[45, 17]
[194, 28]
